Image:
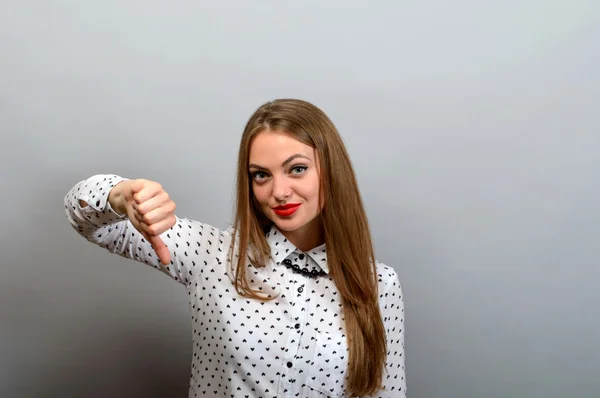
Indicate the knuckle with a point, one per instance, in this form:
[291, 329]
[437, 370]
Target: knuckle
[152, 229]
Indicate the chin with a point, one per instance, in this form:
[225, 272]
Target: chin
[287, 225]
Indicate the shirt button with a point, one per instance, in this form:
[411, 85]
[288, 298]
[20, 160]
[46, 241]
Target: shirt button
[301, 256]
[297, 326]
[300, 289]
[289, 364]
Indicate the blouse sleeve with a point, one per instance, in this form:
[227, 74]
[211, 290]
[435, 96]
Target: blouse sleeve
[392, 309]
[192, 244]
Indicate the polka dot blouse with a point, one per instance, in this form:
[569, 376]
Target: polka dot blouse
[292, 346]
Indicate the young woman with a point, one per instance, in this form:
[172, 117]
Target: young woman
[288, 302]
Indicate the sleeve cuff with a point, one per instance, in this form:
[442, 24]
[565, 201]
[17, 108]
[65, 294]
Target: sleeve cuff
[95, 193]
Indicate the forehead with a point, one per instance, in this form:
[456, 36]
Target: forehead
[276, 146]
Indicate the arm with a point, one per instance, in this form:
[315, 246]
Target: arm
[92, 215]
[392, 309]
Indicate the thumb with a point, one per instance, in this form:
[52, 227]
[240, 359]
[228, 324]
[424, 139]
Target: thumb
[162, 250]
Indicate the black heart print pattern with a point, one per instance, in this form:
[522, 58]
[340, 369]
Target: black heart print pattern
[292, 346]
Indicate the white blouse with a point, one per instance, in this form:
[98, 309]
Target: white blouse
[293, 346]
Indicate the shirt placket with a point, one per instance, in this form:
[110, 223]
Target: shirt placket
[290, 383]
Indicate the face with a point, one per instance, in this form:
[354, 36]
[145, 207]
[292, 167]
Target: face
[284, 175]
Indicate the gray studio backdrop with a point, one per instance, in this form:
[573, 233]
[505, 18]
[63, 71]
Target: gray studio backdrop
[473, 127]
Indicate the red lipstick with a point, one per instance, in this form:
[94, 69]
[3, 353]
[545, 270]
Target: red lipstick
[286, 210]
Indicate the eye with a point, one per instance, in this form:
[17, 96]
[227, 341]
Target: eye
[298, 170]
[259, 176]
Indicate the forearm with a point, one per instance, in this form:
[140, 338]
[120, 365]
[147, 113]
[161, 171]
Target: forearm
[92, 208]
[116, 199]
[87, 206]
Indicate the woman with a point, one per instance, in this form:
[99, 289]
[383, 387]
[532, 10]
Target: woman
[306, 311]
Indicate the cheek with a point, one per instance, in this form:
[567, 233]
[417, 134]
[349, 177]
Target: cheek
[260, 194]
[312, 190]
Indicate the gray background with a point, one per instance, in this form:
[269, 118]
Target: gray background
[473, 127]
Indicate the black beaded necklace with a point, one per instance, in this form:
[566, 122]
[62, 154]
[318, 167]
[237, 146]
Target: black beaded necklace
[304, 271]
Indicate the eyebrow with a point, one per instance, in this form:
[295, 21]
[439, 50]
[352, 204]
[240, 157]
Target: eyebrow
[286, 162]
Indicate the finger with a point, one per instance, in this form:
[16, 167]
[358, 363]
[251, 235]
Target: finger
[147, 237]
[159, 227]
[162, 250]
[138, 216]
[157, 215]
[135, 215]
[159, 247]
[148, 191]
[160, 199]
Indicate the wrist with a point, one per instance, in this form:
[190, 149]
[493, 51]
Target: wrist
[116, 198]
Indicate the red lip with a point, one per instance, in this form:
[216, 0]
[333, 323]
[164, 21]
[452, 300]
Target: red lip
[285, 207]
[286, 210]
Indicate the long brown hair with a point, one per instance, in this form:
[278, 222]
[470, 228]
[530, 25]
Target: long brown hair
[350, 254]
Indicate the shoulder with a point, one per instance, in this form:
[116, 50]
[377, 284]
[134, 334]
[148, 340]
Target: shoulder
[388, 280]
[386, 275]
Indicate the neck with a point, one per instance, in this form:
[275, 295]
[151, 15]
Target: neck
[308, 237]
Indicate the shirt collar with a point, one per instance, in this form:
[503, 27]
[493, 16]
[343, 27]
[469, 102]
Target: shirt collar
[281, 248]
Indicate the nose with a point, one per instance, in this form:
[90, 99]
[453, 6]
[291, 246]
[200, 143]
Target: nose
[281, 188]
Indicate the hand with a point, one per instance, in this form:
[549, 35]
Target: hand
[150, 211]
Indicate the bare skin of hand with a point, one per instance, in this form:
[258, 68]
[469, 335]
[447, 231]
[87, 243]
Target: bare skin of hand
[149, 208]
